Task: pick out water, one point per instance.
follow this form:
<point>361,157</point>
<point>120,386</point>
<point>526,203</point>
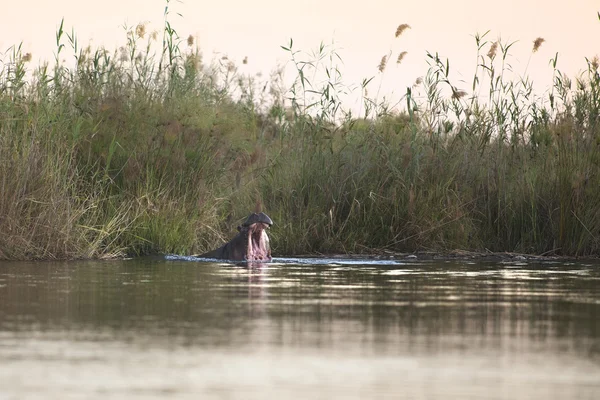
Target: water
<point>299,329</point>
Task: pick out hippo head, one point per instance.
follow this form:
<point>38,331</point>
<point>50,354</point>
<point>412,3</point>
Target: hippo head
<point>257,245</point>
<point>251,244</point>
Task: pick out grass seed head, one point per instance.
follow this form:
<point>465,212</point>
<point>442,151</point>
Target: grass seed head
<point>190,41</point>
<point>537,43</point>
<point>400,57</point>
<point>382,64</point>
<point>401,28</point>
<point>492,53</point>
<point>140,30</point>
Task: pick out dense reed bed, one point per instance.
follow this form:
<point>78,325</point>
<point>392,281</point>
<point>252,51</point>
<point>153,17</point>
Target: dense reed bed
<point>149,149</point>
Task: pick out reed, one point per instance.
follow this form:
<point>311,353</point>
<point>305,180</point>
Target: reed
<point>149,149</point>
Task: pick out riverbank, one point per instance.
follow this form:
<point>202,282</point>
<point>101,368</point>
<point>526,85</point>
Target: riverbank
<point>459,255</point>
<point>143,151</point>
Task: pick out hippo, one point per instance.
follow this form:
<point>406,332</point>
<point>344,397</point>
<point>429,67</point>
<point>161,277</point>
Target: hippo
<point>250,244</point>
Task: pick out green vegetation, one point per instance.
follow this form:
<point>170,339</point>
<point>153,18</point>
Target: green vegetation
<point>142,151</point>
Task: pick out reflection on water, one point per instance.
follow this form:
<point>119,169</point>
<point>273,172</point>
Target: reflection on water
<point>295,328</point>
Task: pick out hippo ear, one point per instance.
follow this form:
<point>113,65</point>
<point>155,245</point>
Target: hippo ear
<point>239,228</point>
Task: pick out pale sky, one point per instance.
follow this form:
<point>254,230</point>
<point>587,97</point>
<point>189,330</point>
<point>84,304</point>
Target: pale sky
<point>363,31</point>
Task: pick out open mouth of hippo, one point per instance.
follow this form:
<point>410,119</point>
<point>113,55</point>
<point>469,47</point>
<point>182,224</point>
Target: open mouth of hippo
<point>258,247</point>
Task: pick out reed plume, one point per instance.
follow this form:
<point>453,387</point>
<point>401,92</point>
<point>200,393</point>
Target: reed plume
<point>492,53</point>
<point>537,43</point>
<point>140,30</point>
<point>382,63</point>
<point>401,28</point>
<point>400,57</point>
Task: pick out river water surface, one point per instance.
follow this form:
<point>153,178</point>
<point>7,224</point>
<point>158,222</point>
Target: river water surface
<point>154,328</point>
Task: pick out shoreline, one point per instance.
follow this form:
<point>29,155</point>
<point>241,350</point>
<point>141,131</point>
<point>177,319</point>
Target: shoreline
<point>452,255</point>
<point>461,255</point>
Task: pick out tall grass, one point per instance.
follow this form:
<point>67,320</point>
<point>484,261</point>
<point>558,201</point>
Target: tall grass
<point>149,149</point>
